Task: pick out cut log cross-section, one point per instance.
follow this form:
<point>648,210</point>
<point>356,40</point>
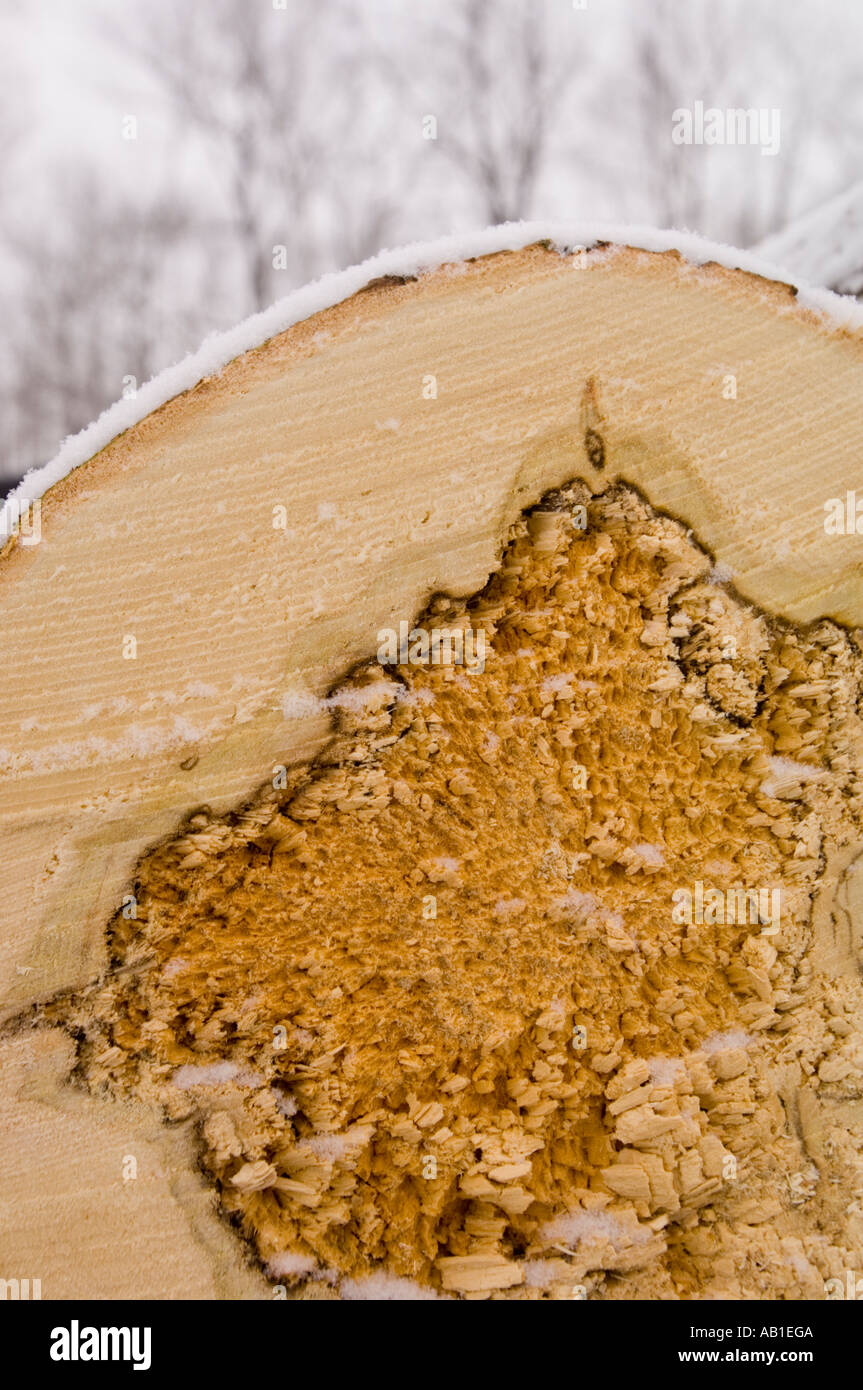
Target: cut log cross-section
<point>174,645</point>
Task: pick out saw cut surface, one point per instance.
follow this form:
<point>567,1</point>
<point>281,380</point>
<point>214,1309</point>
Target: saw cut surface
<point>247,539</point>
<point>527,984</point>
<point>391,1015</point>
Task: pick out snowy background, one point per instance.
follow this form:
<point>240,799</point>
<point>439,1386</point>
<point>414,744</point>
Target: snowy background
<point>170,167</point>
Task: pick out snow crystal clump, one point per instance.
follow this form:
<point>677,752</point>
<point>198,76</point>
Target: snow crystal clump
<point>573,905</point>
<point>213,1074</point>
<point>298,704</point>
<point>664,1071</point>
<point>721,574</point>
<point>577,1226</point>
<point>538,1274</point>
<point>723,1042</point>
<point>290,1265</point>
<point>508,907</point>
<point>786,769</point>
<point>650,854</point>
<point>385,1288</point>
<point>556,685</point>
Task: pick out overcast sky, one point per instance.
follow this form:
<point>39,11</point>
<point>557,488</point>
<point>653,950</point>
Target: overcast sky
<point>73,88</point>
<point>82,316</point>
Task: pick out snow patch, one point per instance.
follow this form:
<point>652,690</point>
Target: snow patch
<point>801,1266</point>
<point>199,690</point>
<point>577,1226</point>
<point>137,742</point>
<point>334,1146</point>
<point>538,1274</point>
<point>214,1074</point>
<point>650,854</point>
<point>505,908</point>
<point>784,770</point>
<point>385,1288</point>
<point>299,705</point>
<point>574,902</point>
<point>721,573</point>
<point>556,685</point>
<point>664,1071</point>
<point>723,1042</point>
<point>574,909</point>
<point>291,1265</point>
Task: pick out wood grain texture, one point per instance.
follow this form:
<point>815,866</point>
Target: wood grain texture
<point>168,536</point>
